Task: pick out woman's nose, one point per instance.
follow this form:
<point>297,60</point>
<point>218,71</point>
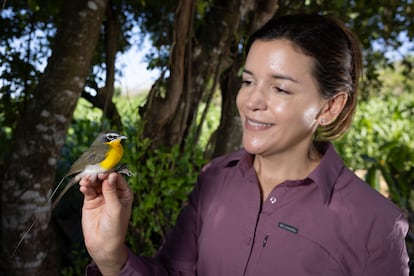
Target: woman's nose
<point>256,100</point>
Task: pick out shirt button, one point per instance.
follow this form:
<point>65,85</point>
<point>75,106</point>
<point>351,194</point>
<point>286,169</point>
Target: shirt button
<point>273,200</point>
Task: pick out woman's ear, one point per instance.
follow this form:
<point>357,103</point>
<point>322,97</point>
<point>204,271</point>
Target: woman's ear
<point>332,108</point>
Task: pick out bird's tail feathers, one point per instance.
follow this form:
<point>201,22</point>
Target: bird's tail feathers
<point>56,189</point>
<point>23,237</point>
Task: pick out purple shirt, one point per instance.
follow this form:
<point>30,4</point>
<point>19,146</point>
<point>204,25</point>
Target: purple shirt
<point>331,223</point>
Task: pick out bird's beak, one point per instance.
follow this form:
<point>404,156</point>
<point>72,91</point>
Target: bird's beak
<point>122,137</point>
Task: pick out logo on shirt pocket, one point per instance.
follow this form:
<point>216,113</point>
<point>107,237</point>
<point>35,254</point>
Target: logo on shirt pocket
<point>287,227</point>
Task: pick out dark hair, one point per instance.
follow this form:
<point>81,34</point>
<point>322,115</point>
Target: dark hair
<point>337,54</point>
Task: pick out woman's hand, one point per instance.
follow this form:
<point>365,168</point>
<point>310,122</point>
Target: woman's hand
<point>105,216</point>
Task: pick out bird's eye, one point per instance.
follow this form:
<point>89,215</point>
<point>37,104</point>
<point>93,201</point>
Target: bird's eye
<point>111,136</point>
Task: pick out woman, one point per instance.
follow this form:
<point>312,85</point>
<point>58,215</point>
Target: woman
<point>284,204</point>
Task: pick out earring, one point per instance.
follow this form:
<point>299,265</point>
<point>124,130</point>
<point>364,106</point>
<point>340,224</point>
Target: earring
<point>322,122</point>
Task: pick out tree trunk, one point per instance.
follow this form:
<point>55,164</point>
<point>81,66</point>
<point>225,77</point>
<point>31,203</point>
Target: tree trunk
<point>111,39</point>
<point>211,55</point>
<point>104,95</point>
<point>255,14</point>
<point>227,137</point>
<point>37,141</point>
<point>212,50</point>
<point>168,119</point>
<point>160,109</point>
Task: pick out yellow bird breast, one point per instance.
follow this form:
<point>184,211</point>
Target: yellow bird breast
<point>114,154</point>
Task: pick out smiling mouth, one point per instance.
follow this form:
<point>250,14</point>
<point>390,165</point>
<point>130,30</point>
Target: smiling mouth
<point>257,124</point>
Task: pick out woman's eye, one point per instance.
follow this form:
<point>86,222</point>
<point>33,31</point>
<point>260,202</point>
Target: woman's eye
<point>280,90</point>
<point>245,82</point>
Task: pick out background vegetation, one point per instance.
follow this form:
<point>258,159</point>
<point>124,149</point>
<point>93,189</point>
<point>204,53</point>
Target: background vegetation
<point>57,64</point>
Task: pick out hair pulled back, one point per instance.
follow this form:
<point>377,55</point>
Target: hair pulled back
<point>337,55</point>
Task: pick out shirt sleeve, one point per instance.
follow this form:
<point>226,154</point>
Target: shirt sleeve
<point>135,266</point>
<point>390,256</point>
<point>178,255</point>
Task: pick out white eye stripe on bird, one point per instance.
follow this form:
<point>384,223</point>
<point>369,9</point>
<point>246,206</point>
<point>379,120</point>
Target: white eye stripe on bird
<point>112,136</point>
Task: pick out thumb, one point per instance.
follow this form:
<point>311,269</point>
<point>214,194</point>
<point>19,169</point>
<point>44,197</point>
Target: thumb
<point>110,189</point>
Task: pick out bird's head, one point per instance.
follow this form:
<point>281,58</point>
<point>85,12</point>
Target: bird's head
<point>110,136</point>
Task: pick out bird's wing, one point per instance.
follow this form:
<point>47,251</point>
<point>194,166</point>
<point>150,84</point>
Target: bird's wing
<point>94,155</point>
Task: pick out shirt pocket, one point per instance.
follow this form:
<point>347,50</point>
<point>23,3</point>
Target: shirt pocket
<point>290,253</point>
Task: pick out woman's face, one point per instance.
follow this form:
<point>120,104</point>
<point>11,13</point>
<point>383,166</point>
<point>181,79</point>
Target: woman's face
<point>278,101</point>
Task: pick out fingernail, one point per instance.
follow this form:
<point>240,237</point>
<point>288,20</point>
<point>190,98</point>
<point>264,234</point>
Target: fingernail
<point>112,178</point>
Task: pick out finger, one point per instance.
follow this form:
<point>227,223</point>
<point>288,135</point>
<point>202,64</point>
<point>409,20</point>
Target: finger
<point>110,189</point>
<point>87,189</point>
<point>88,192</point>
<point>124,191</point>
<point>103,176</point>
<point>119,181</point>
<point>85,181</point>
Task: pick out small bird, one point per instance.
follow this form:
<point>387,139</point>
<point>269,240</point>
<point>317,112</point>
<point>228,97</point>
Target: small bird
<point>101,157</point>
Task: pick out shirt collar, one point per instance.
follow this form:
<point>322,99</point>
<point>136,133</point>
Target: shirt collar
<point>325,175</point>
